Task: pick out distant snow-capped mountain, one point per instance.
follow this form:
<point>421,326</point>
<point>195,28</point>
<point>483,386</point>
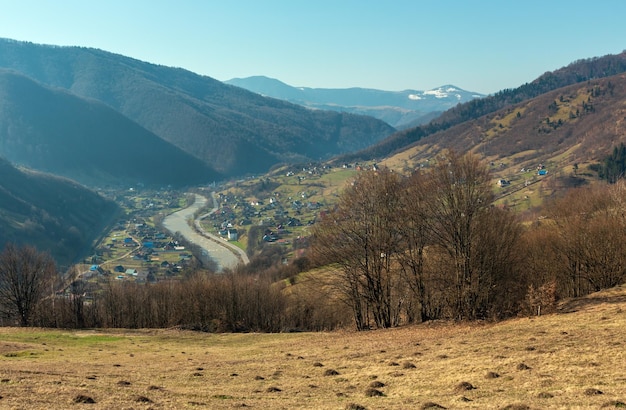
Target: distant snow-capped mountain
<point>401,109</point>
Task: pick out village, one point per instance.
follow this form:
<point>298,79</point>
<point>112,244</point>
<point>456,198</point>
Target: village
<point>251,213</point>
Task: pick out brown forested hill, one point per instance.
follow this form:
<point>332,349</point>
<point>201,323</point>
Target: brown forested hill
<point>576,73</point>
<point>576,124</point>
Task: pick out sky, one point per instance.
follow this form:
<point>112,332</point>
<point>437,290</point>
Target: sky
<point>478,45</point>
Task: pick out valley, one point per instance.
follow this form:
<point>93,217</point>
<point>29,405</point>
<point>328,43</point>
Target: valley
<point>196,181</point>
<point>276,210</point>
<point>312,205</point>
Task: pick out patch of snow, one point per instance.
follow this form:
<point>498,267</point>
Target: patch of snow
<point>451,90</point>
<point>414,97</point>
<point>438,93</point>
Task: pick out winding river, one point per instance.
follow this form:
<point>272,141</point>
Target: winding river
<point>217,249</point>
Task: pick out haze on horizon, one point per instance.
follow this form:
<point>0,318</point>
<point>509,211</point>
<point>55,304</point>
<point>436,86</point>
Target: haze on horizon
<point>478,46</point>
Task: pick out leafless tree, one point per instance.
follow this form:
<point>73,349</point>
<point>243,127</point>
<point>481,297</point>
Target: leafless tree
<point>461,221</point>
<point>26,276</point>
<point>362,237</point>
<point>460,195</point>
<point>414,228</point>
<point>591,239</point>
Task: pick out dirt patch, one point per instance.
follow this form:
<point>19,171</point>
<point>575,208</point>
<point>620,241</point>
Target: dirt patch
<point>463,386</point>
<point>373,393</point>
<point>83,399</point>
<point>377,385</point>
<point>7,348</point>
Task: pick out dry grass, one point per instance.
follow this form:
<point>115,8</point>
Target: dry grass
<point>573,359</point>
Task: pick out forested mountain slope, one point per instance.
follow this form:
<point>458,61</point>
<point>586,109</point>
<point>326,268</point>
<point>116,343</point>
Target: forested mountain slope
<point>233,130</point>
<point>569,131</point>
<point>55,131</point>
<point>50,213</point>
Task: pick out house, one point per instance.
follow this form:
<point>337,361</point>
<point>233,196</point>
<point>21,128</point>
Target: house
<point>542,172</point>
<point>269,236</point>
<point>232,235</point>
<point>503,182</point>
<point>131,272</point>
<point>294,222</point>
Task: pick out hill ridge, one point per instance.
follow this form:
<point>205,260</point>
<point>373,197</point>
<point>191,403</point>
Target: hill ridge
<point>233,130</point>
<point>52,213</point>
<point>401,109</point>
<point>53,130</point>
<point>576,72</point>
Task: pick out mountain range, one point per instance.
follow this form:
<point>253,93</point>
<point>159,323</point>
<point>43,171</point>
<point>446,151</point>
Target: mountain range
<point>233,131</point>
<point>401,109</point>
<point>105,119</point>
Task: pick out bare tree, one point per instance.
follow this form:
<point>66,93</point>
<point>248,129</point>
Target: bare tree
<point>497,282</point>
<point>591,239</point>
<point>414,230</point>
<point>362,237</point>
<point>26,276</point>
<point>460,196</point>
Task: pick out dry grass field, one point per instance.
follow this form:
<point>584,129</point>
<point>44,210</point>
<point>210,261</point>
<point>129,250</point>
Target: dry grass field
<point>575,358</point>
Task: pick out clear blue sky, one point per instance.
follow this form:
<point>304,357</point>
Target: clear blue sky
<point>478,45</point>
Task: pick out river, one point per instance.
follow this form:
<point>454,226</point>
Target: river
<point>217,249</point>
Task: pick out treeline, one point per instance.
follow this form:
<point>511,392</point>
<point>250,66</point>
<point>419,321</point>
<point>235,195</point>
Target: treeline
<point>613,167</point>
<point>252,298</point>
<point>433,246</point>
<point>205,302</point>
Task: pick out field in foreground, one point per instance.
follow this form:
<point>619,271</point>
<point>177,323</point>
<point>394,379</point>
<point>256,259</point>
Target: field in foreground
<point>575,358</point>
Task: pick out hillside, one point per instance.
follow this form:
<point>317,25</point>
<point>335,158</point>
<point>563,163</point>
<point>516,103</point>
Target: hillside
<point>571,359</point>
<point>577,72</point>
<point>54,131</point>
<point>401,109</point>
<point>50,213</point>
<point>564,130</point>
<point>231,129</point>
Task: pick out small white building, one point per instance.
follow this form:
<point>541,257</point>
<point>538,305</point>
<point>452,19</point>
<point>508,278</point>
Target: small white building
<point>232,235</point>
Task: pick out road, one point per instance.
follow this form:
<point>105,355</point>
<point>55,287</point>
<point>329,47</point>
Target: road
<point>220,251</point>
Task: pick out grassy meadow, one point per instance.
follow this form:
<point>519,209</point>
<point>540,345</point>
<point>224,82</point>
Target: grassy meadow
<point>575,358</point>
